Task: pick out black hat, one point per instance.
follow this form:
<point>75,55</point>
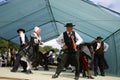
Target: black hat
<point>20,30</point>
<point>99,37</point>
<point>69,25</point>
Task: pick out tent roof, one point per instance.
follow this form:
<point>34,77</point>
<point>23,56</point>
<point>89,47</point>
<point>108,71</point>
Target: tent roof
<point>51,15</point>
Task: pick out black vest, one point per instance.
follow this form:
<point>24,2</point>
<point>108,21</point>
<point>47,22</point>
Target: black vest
<point>100,50</point>
<point>68,40</point>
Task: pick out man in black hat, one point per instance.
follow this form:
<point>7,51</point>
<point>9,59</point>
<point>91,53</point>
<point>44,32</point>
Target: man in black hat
<point>100,48</point>
<point>23,41</point>
<point>69,41</point>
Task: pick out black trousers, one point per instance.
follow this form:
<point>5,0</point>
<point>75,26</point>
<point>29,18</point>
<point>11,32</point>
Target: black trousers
<point>46,62</point>
<point>12,61</point>
<point>35,55</point>
<point>99,63</point>
<point>74,56</point>
<point>18,61</point>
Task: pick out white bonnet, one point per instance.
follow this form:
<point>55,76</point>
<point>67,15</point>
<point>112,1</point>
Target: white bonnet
<point>36,28</point>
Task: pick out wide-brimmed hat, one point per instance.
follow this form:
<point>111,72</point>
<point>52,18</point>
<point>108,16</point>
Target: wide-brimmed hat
<point>99,37</point>
<point>20,30</point>
<point>69,25</point>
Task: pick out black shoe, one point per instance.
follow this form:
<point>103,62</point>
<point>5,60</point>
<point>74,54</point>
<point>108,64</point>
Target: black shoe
<point>29,72</point>
<point>55,76</point>
<point>73,71</point>
<point>46,69</point>
<point>84,75</point>
<point>76,78</point>
<point>95,74</point>
<point>24,71</point>
<point>13,70</point>
<point>36,69</point>
<point>102,74</point>
<point>90,77</point>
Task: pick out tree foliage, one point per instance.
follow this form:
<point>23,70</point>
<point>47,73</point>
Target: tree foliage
<point>5,45</point>
<point>47,48</point>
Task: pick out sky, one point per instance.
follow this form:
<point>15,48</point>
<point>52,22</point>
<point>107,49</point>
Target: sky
<point>112,4</point>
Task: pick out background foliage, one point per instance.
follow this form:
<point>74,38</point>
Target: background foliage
<point>5,45</point>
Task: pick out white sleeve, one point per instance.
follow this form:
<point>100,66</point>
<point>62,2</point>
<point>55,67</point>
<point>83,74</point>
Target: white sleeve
<point>79,40</point>
<point>106,46</point>
<point>50,53</point>
<point>60,40</point>
<point>22,38</point>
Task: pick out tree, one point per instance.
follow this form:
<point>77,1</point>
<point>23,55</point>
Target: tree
<point>5,45</point>
<point>47,48</point>
<point>56,50</point>
<point>41,49</point>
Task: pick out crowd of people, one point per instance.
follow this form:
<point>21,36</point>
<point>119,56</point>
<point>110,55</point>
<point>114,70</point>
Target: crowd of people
<point>84,57</point>
<point>8,58</point>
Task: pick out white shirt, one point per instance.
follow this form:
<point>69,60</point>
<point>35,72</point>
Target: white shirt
<point>50,53</point>
<point>106,46</point>
<point>60,39</point>
<point>98,46</point>
<point>22,35</point>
